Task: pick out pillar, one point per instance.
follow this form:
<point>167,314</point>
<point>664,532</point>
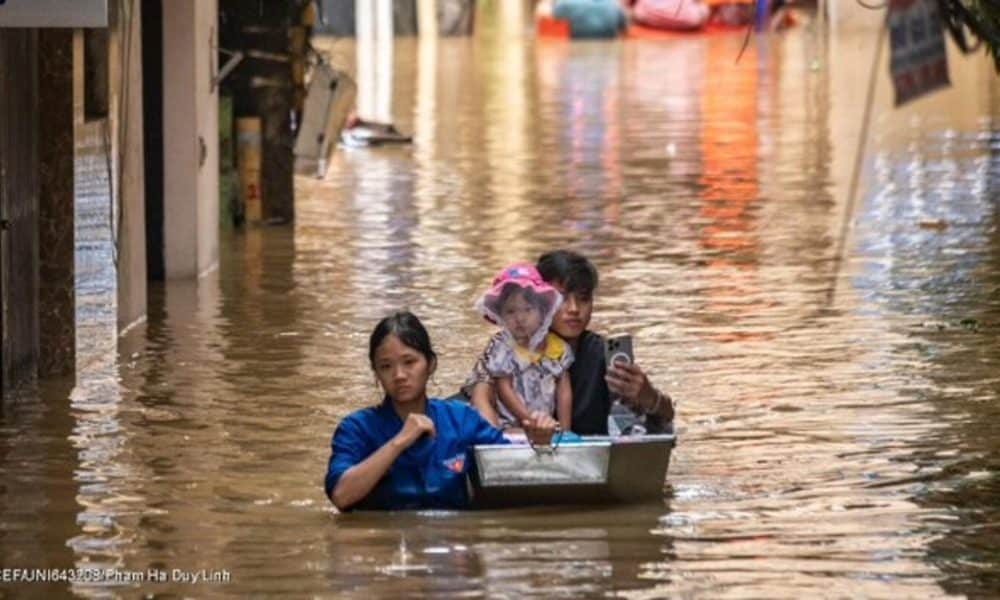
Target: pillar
<point>57,292</point>
<point>126,57</point>
<point>190,138</point>
<point>18,207</point>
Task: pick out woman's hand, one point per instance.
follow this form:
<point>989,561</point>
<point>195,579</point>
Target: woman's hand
<point>416,425</point>
<point>358,481</point>
<point>539,427</point>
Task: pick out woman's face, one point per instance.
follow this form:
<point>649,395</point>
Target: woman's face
<point>521,318</point>
<point>402,370</point>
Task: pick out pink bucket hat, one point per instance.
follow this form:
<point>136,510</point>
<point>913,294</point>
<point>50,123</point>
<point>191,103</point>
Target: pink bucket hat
<point>525,276</point>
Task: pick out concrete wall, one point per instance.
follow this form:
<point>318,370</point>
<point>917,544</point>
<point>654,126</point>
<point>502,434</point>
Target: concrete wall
<point>849,15</point>
<point>190,138</point>
<point>336,17</point>
<point>56,214</point>
<point>850,62</point>
<point>126,57</point>
<point>18,207</point>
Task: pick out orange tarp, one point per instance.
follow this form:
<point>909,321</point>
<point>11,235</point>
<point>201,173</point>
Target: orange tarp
<point>556,28</point>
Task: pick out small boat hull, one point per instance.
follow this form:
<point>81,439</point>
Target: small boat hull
<point>596,470</point>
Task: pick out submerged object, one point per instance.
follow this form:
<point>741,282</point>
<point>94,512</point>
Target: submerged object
<point>594,470</point>
<point>329,99</point>
<point>362,134</point>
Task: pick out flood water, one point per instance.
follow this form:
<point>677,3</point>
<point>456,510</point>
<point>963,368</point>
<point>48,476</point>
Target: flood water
<point>836,364</point>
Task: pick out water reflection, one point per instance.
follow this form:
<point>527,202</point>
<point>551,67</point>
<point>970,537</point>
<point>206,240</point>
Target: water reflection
<point>579,84</point>
<point>384,251</point>
<point>835,415</point>
<point>932,269</point>
<point>505,554</point>
<point>509,157</point>
<point>38,493</point>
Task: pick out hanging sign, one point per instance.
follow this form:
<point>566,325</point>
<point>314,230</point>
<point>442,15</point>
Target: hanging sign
<point>53,13</point>
<point>919,61</point>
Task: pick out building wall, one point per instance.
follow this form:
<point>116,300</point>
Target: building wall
<point>126,58</point>
<point>18,206</point>
<point>849,15</point>
<point>894,128</point>
<point>336,17</point>
<point>207,105</point>
<point>190,138</point>
<point>56,218</point>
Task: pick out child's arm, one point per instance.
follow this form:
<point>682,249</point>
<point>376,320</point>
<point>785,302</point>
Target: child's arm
<point>510,398</point>
<point>564,401</point>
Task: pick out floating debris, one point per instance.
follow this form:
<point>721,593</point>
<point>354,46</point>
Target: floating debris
<point>969,324</point>
<point>401,564</point>
<point>934,225</point>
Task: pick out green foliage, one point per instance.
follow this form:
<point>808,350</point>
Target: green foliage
<point>976,19</point>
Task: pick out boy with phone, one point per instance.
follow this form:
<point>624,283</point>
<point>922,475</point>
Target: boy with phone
<point>593,379</point>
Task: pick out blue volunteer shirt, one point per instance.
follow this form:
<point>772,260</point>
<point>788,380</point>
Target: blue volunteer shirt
<point>430,473</point>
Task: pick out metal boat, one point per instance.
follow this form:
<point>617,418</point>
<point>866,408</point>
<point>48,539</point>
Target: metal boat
<point>594,470</point>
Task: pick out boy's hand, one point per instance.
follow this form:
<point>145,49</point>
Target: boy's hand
<point>629,382</point>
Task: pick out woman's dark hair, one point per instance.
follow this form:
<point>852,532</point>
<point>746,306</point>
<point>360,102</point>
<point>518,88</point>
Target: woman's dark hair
<point>408,328</point>
<point>571,270</point>
<point>532,297</point>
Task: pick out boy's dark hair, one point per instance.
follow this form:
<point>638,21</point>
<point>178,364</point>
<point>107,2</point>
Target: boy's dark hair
<point>571,270</point>
<point>408,328</point>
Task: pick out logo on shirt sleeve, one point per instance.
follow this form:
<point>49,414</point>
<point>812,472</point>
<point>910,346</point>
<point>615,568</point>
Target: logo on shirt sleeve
<point>455,464</point>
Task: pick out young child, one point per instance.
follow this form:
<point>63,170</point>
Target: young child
<point>529,365</point>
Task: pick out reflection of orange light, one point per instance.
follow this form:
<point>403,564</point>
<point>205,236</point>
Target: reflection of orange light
<point>729,185</point>
<point>729,131</point>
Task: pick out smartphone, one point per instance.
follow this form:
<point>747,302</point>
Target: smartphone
<point>621,419</point>
<point>618,349</point>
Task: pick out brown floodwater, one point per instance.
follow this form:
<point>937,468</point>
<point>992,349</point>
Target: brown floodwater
<point>836,364</point>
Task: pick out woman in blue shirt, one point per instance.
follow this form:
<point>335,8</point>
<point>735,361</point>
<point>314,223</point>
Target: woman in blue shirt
<point>410,452</point>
